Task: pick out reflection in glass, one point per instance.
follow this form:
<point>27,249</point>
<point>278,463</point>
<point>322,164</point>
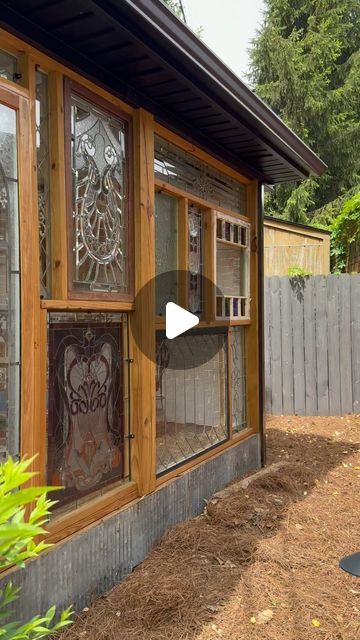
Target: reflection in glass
<point>100,207</point>
<point>166,249</point>
<point>8,66</point>
<point>86,390</point>
<point>9,286</point>
<point>191,403</point>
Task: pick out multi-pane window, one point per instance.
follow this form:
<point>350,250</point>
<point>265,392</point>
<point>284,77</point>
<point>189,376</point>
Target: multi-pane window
<point>87,391</point>
<point>42,138</point>
<point>9,285</point>
<point>100,193</point>
<point>232,268</point>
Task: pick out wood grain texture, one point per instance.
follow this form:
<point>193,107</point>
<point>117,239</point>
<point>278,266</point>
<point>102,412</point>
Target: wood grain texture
<point>252,331</point>
<point>142,323</point>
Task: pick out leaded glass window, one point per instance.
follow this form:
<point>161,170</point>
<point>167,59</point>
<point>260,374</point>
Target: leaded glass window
<point>238,378</point>
<point>183,170</point>
<point>8,66</point>
<point>191,403</point>
<point>232,268</point>
<point>195,225</point>
<point>87,419</point>
<point>100,199</point>
<point>43,180</point>
<point>166,249</point>
<point>9,285</point>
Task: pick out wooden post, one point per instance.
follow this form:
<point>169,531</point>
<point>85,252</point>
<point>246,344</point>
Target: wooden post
<point>252,334</point>
<point>142,321</point>
<point>59,253</point>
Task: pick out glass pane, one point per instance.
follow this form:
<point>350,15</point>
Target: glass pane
<point>166,249</point>
<point>100,199</point>
<point>8,66</point>
<point>191,404</point>
<point>9,286</point>
<point>87,395</point>
<point>231,270</point>
<point>182,169</point>
<point>43,179</point>
<point>195,258</point>
<point>238,378</point>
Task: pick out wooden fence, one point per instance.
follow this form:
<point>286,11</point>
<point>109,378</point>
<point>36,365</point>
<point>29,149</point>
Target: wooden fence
<point>312,345</point>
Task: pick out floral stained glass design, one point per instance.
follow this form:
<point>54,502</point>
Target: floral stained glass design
<point>43,179</point>
<point>100,199</point>
<point>9,286</point>
<point>85,404</point>
<point>166,250</point>
<point>238,378</point>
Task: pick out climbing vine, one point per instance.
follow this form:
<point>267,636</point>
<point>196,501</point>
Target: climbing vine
<point>345,231</point>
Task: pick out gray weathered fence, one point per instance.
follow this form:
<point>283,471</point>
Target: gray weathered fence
<point>312,345</point>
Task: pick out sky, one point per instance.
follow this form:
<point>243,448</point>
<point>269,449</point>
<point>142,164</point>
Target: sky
<point>228,27</point>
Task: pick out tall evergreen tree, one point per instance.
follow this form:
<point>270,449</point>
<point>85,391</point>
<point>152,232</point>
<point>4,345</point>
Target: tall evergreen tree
<point>305,64</point>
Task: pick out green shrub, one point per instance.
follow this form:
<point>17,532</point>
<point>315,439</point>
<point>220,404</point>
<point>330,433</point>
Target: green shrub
<point>18,530</point>
<point>298,272</point>
<point>345,231</point>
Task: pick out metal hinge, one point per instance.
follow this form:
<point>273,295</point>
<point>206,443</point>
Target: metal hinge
<point>130,436</point>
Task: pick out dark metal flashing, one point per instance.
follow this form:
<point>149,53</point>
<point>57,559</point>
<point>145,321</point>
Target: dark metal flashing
<point>299,225</point>
<point>141,52</point>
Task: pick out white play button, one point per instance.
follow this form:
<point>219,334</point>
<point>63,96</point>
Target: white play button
<point>178,320</point>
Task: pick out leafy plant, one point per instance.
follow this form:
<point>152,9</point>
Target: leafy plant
<point>298,272</point>
<point>345,231</point>
<point>20,525</point>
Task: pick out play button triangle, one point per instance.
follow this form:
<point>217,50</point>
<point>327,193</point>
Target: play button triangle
<point>178,320</point>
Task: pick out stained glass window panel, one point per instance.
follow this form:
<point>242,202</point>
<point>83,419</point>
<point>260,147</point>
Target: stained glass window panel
<point>231,270</point>
<point>9,286</point>
<point>184,170</point>
<point>43,180</point>
<point>195,224</point>
<point>87,382</point>
<point>238,378</point>
<point>191,403</point>
<point>100,199</point>
<point>166,249</point>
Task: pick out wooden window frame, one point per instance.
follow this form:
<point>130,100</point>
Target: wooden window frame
<point>73,88</point>
<point>142,326</point>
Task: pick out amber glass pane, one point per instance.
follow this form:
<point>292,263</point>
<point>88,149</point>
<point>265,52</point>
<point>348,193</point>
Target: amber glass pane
<point>100,205</point>
<point>86,389</point>
<point>9,286</point>
<point>191,403</point>
<point>43,180</point>
<point>231,270</point>
<point>166,249</point>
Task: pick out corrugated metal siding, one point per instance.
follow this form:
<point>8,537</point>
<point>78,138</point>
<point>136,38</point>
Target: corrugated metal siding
<point>90,563</point>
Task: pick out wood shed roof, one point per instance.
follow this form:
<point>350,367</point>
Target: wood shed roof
<point>141,51</point>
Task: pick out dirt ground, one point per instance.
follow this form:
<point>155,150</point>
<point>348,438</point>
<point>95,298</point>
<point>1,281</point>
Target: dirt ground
<point>261,564</point>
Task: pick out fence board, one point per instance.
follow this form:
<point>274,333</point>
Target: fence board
<point>345,344</point>
<point>312,340</point>
<point>275,351</point>
<point>333,346</point>
<point>355,340</point>
<point>298,345</point>
<point>310,348</point>
<point>287,348</point>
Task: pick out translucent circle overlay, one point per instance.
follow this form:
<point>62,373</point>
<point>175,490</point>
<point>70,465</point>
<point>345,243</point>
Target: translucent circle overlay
<point>194,348</point>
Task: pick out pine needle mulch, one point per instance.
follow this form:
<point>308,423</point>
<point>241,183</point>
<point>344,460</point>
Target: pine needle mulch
<point>261,564</point>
